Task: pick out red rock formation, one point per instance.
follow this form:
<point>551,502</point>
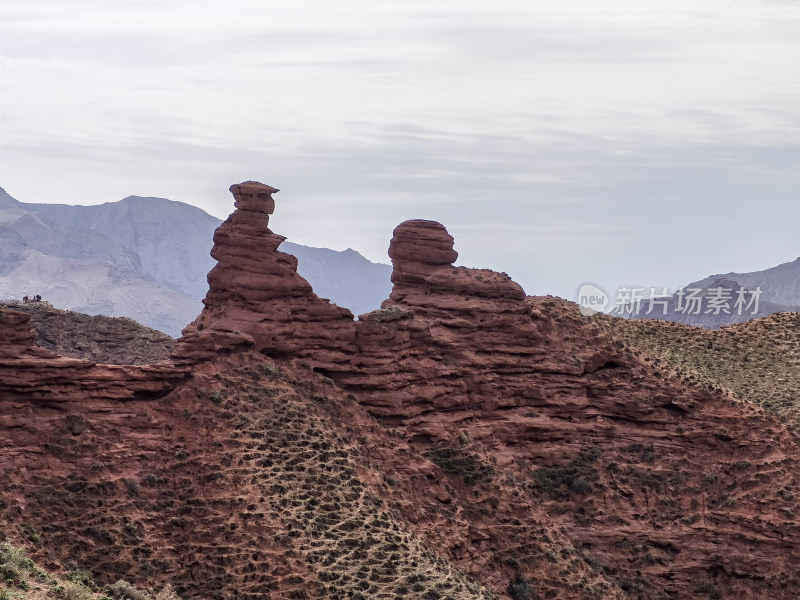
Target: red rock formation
<point>256,299</point>
<point>460,359</point>
<point>418,248</point>
<point>30,372</point>
<point>541,427</point>
<point>448,338</point>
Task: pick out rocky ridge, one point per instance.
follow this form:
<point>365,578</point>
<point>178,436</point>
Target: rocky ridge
<point>461,354</point>
<point>29,372</point>
<point>98,338</point>
<point>509,436</point>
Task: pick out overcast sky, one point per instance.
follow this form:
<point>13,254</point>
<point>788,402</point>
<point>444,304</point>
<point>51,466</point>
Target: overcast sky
<point>649,142</point>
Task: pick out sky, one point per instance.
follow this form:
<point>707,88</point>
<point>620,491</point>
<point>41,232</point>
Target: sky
<point>631,142</point>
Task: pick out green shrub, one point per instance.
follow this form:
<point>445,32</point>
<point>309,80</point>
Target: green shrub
<point>32,534</point>
<point>13,557</point>
<point>82,577</point>
<point>13,564</point>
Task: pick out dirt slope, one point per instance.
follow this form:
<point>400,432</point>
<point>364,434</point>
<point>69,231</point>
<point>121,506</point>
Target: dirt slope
<point>757,361</point>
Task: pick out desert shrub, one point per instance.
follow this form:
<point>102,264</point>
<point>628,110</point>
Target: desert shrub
<point>454,461</point>
<point>32,534</point>
<point>708,589</point>
<point>82,577</point>
<point>580,486</point>
<point>575,477</point>
<point>520,588</point>
<point>122,590</point>
<point>13,563</point>
<point>559,482</point>
<point>14,557</point>
<point>167,593</point>
<point>272,371</point>
<point>76,591</point>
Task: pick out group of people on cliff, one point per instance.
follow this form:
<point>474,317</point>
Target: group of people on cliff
<point>36,298</point>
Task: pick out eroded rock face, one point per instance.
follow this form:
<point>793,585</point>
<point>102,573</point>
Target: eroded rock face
<point>531,443</point>
<point>97,338</point>
<point>624,458</point>
<point>256,300</point>
<point>448,338</point>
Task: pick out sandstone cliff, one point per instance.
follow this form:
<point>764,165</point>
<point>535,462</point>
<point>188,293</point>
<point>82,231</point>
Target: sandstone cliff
<point>464,440</point>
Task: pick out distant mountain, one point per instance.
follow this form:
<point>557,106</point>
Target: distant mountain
<point>6,201</point>
<point>717,301</point>
<point>171,239</point>
<point>780,285</point>
<point>344,277</point>
<point>147,259</point>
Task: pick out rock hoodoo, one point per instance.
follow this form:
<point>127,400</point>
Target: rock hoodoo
<point>257,300</point>
<point>423,275</point>
<point>418,248</point>
<point>447,336</point>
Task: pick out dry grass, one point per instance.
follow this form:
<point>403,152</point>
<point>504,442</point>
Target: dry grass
<point>22,579</point>
<point>757,361</point>
<point>307,478</point>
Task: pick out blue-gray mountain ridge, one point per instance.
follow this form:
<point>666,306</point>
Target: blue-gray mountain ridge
<point>147,259</point>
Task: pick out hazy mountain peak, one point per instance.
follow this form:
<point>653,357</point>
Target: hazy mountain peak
<point>160,249</point>
<point>6,201</point>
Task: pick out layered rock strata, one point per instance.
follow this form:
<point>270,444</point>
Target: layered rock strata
<point>460,339</point>
<point>646,473</point>
<point>523,423</point>
<point>256,300</point>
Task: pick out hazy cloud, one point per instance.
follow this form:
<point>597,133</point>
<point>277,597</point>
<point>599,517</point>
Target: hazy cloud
<point>642,141</point>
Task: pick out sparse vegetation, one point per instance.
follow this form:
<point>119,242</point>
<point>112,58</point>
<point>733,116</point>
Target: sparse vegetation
<point>520,588</point>
<point>457,461</point>
<point>277,458</point>
<point>574,477</point>
<point>21,578</point>
<point>756,361</point>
